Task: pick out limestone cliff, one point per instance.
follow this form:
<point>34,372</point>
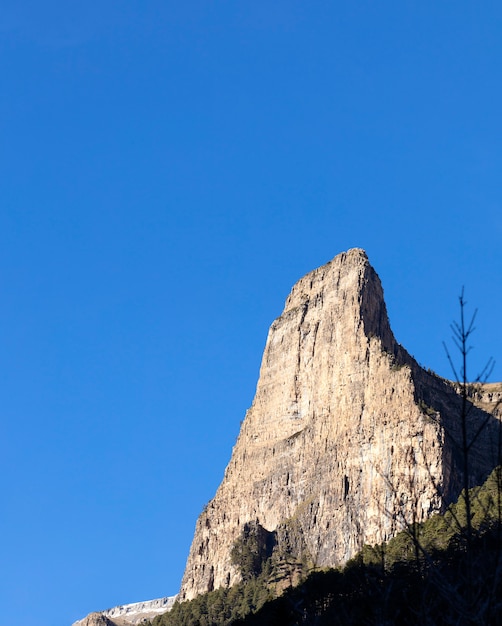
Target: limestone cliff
<point>346,437</point>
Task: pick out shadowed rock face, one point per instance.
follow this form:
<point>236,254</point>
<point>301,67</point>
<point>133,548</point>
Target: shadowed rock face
<point>344,439</point>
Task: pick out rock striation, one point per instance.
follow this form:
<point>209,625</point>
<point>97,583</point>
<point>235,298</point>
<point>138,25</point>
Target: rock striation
<point>347,438</point>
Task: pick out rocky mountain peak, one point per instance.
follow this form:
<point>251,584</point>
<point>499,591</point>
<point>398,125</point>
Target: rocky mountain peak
<point>344,442</point>
<point>350,288</point>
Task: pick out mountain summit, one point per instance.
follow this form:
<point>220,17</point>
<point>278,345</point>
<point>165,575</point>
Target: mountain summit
<point>347,438</point>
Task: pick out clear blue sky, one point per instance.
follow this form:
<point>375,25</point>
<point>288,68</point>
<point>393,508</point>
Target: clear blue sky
<point>168,171</point>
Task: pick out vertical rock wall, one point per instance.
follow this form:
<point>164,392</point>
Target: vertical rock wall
<point>339,441</point>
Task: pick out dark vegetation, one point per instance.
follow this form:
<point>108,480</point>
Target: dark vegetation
<point>387,585</point>
<point>221,607</point>
<point>400,594</point>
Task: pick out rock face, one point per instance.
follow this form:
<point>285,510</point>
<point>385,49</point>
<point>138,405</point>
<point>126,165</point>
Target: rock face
<point>347,437</point>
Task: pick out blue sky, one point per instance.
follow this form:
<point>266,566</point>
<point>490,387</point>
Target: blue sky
<point>168,171</point>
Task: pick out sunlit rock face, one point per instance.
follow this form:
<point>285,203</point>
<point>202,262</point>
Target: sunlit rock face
<point>347,437</point>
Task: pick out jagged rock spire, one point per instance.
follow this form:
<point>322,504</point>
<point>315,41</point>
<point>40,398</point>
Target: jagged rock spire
<point>336,448</point>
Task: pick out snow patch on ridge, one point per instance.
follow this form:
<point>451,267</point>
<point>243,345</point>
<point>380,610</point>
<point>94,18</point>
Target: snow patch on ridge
<point>137,611</point>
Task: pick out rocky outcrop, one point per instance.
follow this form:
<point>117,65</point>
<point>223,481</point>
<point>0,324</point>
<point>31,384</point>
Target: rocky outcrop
<point>347,438</point>
<point>95,619</point>
<point>128,614</point>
